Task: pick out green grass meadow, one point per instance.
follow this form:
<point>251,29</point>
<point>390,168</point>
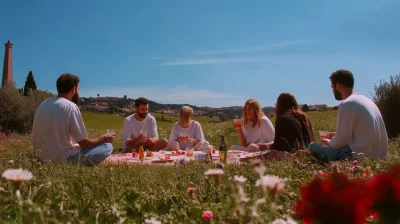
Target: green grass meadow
<point>62,193</point>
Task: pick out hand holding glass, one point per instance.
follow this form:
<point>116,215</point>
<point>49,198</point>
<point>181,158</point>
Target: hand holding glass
<point>237,123</point>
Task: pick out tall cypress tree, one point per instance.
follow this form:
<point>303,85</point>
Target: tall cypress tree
<point>30,84</point>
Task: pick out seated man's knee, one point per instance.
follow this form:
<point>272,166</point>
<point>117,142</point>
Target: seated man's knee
<point>108,148</point>
<point>163,142</point>
<point>312,146</point>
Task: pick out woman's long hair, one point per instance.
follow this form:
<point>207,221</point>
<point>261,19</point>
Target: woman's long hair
<point>257,112</point>
<point>287,103</point>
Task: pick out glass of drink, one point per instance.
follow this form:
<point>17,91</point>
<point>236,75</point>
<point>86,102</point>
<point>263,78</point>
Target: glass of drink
<point>110,131</point>
<point>183,137</point>
<point>144,132</point>
<point>237,123</point>
<point>190,151</point>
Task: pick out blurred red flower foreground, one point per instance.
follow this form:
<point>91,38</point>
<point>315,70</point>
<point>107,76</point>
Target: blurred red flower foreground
<point>336,198</point>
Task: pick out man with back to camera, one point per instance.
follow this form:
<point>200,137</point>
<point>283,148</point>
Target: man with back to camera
<point>360,127</point>
<point>58,132</point>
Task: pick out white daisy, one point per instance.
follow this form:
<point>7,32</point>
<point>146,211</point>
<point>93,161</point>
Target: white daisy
<point>214,172</point>
<point>17,175</point>
<point>240,179</point>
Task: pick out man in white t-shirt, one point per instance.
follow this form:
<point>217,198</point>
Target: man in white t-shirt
<point>360,127</point>
<point>141,127</point>
<point>58,132</point>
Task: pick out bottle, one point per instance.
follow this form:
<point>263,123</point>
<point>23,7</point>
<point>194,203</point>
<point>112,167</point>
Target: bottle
<point>141,152</point>
<point>223,151</point>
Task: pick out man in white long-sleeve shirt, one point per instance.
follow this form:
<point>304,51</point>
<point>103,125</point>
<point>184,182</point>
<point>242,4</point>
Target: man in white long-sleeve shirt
<point>360,127</point>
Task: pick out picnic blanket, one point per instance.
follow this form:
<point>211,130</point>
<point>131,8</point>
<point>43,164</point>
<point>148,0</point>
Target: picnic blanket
<point>234,156</point>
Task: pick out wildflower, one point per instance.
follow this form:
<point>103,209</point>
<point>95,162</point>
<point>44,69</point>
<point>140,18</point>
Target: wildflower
<point>256,162</point>
<point>351,170</point>
<point>11,162</point>
<point>384,191</point>
<point>207,215</point>
<point>216,173</point>
<point>348,197</point>
<point>240,179</point>
<point>360,154</point>
<point>1,190</point>
<point>17,176</point>
<point>353,153</point>
<point>271,183</point>
<point>190,190</point>
<point>152,220</point>
<point>355,162</point>
<point>322,173</point>
<point>287,221</point>
<point>255,206</point>
<point>191,183</point>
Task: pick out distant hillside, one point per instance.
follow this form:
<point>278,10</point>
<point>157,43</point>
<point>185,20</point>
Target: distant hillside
<point>127,106</point>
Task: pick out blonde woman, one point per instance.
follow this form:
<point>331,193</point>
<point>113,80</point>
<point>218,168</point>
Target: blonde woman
<point>256,131</point>
<point>186,132</point>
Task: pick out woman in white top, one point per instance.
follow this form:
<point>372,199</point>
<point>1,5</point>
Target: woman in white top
<point>256,130</point>
<point>186,132</point>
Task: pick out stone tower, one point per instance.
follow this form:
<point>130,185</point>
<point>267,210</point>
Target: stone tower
<point>7,67</point>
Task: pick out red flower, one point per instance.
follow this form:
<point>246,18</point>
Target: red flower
<point>355,162</point>
<point>191,183</point>
<point>323,199</point>
<point>322,173</point>
<point>190,190</point>
<point>207,215</point>
<point>385,193</point>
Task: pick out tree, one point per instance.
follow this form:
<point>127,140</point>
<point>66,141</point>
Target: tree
<point>387,98</point>
<point>30,84</point>
<point>305,108</point>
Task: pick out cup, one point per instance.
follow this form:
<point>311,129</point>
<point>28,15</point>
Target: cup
<point>110,131</point>
<point>190,151</point>
<point>212,149</point>
<point>237,123</point>
<point>183,137</point>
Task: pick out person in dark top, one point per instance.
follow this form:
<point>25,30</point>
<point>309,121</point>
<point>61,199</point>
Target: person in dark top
<point>293,130</point>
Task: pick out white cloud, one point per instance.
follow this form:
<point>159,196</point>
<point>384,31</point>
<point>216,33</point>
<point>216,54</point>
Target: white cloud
<point>181,95</point>
<point>207,61</point>
<point>258,48</point>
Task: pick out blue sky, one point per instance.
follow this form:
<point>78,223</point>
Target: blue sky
<point>214,53</point>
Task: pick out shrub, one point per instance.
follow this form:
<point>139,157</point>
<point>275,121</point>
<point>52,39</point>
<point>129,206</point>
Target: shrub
<point>387,98</point>
<point>17,111</point>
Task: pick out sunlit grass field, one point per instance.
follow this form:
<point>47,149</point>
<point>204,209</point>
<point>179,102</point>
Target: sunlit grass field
<point>61,193</point>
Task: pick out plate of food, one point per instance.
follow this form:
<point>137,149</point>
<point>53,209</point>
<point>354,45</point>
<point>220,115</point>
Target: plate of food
<point>164,159</point>
<point>178,153</point>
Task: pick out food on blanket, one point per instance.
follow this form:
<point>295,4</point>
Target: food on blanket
<point>178,152</point>
<point>164,158</point>
<point>149,154</point>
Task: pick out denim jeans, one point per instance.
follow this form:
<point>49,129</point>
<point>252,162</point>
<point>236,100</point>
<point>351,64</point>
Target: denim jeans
<point>326,153</point>
<point>93,156</point>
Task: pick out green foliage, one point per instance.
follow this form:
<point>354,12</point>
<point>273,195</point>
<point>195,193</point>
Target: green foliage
<point>387,98</point>
<point>30,84</point>
<point>305,108</point>
<point>17,111</point>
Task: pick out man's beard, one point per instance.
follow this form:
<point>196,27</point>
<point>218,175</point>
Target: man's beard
<point>338,96</point>
<point>75,98</point>
<point>144,115</point>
